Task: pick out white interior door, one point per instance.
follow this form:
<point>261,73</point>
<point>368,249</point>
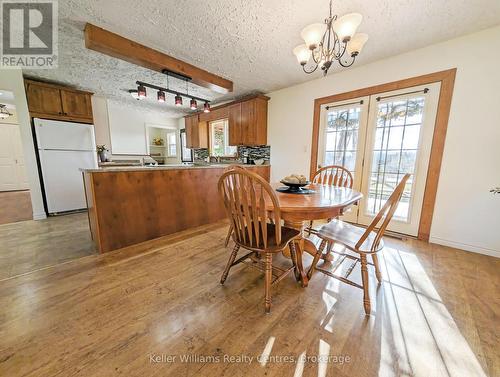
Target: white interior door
<point>342,139</point>
<point>399,138</point>
<point>12,169</point>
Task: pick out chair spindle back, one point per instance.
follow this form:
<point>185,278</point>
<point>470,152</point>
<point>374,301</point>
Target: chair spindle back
<point>244,195</point>
<point>333,175</point>
<point>387,210</point>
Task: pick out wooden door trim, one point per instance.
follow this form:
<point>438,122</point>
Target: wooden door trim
<point>447,80</point>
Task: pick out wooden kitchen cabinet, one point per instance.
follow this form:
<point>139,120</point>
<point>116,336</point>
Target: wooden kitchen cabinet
<point>248,122</point>
<point>234,124</point>
<point>44,99</point>
<point>196,132</point>
<point>76,104</point>
<point>52,101</point>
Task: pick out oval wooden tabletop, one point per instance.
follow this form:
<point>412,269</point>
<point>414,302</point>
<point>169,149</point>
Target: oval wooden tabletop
<point>325,202</point>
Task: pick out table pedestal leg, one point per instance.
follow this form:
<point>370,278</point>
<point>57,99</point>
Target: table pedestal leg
<point>301,244</point>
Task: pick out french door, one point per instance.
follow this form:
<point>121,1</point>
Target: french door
<point>342,140</point>
<point>379,139</point>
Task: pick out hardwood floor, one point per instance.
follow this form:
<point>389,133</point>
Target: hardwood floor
<point>31,245</point>
<point>15,206</point>
<point>124,312</point>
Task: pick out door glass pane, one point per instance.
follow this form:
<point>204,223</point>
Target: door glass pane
<point>342,132</point>
<point>394,152</point>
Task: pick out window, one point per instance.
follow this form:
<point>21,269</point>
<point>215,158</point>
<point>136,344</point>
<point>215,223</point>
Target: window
<point>171,145</point>
<point>219,139</point>
<point>186,153</point>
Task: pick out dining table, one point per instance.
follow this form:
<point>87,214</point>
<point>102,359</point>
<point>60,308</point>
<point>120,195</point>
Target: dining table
<point>320,203</point>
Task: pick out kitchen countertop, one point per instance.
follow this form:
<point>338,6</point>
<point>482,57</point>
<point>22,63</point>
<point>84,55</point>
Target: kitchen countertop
<point>105,169</point>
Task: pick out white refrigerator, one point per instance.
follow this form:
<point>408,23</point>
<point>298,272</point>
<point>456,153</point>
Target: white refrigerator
<point>63,149</point>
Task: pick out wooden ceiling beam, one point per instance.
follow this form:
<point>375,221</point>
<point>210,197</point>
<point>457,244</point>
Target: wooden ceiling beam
<point>114,45</point>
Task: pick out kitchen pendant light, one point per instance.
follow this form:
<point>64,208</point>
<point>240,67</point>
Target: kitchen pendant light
<point>162,92</point>
<point>178,100</point>
<point>333,40</point>
<point>193,105</point>
<point>134,94</point>
<point>161,96</point>
<point>206,107</point>
<point>141,91</point>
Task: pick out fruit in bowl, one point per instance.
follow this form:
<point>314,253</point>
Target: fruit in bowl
<point>295,178</point>
<point>295,181</point>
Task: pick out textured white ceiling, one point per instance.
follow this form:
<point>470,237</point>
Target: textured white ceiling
<point>247,41</point>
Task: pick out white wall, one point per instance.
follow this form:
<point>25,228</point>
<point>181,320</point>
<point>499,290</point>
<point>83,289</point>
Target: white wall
<point>121,127</point>
<point>12,80</point>
<point>466,215</point>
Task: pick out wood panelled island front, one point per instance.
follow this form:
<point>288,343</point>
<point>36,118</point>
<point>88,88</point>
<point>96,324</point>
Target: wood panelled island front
<point>132,205</point>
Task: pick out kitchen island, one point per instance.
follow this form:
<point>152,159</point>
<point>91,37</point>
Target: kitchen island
<point>129,205</point>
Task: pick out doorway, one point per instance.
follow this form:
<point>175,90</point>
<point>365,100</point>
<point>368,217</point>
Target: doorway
<point>15,201</point>
<point>381,133</point>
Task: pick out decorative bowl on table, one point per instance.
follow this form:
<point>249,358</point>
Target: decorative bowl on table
<point>294,184</point>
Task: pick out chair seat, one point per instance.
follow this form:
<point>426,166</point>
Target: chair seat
<point>287,234</point>
<point>349,235</point>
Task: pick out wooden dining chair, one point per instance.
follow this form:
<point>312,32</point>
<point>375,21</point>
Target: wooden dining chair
<point>245,195</point>
<point>364,242</point>
<point>332,175</point>
<point>230,230</point>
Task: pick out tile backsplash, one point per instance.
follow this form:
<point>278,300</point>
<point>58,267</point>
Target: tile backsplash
<point>250,152</point>
<point>200,154</point>
<point>255,153</point>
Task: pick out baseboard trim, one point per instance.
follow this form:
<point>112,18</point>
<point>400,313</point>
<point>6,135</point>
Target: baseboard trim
<point>39,216</point>
<point>466,247</point>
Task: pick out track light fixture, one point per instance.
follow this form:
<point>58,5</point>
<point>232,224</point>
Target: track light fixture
<point>193,100</point>
<point>206,107</point>
<point>141,91</point>
<point>134,94</point>
<point>178,100</point>
<point>193,105</point>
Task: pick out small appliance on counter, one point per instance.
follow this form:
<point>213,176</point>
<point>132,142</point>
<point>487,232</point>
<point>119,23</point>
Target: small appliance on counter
<point>63,149</point>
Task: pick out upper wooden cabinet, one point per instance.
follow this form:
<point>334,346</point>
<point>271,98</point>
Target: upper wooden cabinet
<point>234,124</point>
<point>196,132</point>
<point>247,120</point>
<point>76,104</point>
<point>58,102</point>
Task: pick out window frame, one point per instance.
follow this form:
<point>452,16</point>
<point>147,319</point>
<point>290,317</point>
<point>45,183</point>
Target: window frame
<point>225,122</point>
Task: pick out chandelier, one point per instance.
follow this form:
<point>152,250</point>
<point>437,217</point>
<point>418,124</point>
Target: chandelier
<point>335,39</point>
<point>4,112</point>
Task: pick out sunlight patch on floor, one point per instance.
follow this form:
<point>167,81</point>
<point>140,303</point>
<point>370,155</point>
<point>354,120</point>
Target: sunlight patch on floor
<point>419,334</point>
<point>267,351</point>
<point>299,367</point>
<point>329,301</point>
<point>323,353</point>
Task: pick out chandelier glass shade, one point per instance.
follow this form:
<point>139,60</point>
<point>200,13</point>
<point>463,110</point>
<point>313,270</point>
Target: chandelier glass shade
<point>333,40</point>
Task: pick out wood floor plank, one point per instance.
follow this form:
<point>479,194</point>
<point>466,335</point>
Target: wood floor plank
<point>435,313</point>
